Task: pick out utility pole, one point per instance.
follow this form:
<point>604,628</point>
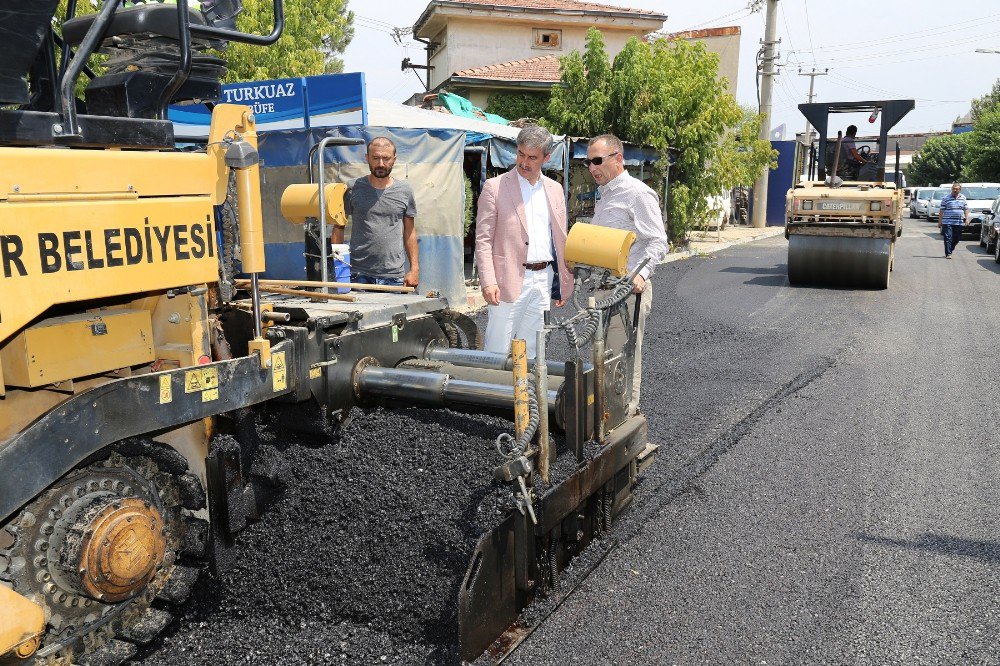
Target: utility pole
<point>767,74</point>
<point>812,80</point>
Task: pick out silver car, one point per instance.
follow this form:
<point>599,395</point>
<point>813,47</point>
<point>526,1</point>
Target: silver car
<point>934,204</point>
<point>921,198</point>
<point>991,230</point>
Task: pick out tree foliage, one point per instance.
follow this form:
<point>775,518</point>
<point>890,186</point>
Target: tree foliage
<point>982,156</point>
<point>988,101</point>
<point>316,33</point>
<point>514,106</point>
<point>667,94</point>
<point>579,105</point>
<point>940,160</point>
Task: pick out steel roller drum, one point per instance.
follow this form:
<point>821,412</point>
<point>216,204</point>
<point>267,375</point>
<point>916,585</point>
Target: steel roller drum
<point>839,261</point>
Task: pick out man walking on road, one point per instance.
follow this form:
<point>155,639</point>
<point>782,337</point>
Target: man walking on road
<point>382,226</point>
<point>953,217</point>
<point>627,203</point>
<point>520,245</point>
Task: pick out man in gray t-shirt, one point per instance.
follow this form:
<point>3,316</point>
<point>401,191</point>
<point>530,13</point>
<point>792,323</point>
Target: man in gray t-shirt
<point>382,213</point>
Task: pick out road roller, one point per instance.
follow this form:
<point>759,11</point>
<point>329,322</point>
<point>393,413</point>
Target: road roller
<point>136,335</point>
<point>842,228</point>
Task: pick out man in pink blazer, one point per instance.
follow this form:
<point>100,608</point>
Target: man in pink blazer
<point>520,245</point>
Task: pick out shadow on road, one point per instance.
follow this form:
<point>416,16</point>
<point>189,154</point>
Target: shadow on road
<point>775,276</point>
<point>986,551</point>
<point>777,269</point>
<point>990,264</point>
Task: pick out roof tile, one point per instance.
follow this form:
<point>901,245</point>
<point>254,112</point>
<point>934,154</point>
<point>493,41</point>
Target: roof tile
<point>541,68</point>
<point>557,4</point>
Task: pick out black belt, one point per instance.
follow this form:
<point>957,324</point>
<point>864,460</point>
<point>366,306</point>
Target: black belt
<point>537,266</point>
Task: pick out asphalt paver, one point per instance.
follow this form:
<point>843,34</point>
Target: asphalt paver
<point>824,494</point>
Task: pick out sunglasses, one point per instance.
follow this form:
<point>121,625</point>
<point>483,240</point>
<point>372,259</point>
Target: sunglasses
<point>598,161</point>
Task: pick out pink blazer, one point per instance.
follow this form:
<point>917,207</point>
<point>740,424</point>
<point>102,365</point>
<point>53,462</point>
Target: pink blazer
<point>502,235</point>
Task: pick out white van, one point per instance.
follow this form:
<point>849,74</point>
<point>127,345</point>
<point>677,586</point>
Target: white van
<point>980,197</point>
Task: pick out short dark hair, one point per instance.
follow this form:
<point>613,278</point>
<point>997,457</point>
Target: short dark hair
<point>380,139</point>
<point>611,141</point>
<point>852,130</point>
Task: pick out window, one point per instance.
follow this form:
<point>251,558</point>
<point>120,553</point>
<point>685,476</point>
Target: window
<point>547,39</point>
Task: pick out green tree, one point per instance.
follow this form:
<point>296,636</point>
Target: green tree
<point>316,33</point>
<point>939,160</point>
<point>666,95</point>
<point>988,101</point>
<point>579,105</point>
<point>982,156</point>
<point>514,106</point>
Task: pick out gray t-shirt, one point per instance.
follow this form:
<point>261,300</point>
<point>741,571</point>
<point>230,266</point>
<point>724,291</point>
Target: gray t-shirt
<point>377,227</point>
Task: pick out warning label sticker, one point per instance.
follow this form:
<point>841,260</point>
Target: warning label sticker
<point>279,372</point>
<point>166,391</point>
<point>202,379</point>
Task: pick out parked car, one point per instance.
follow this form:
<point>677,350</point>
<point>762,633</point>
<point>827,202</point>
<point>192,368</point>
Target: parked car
<point>990,229</point>
<point>980,198</point>
<point>918,204</point>
<point>934,203</point>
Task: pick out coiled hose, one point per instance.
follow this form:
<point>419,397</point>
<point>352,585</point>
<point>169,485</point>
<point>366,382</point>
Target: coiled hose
<point>515,447</point>
<point>618,294</point>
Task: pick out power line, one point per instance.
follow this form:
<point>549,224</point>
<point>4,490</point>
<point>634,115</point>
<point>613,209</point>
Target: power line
<point>809,32</point>
<point>888,39</point>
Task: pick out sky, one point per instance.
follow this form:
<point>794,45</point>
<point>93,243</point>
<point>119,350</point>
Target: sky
<point>874,49</point>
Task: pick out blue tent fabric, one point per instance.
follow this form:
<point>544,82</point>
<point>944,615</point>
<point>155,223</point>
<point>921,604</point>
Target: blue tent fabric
<point>503,154</point>
<point>634,155</point>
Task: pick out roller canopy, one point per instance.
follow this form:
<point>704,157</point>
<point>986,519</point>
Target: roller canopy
<point>890,111</point>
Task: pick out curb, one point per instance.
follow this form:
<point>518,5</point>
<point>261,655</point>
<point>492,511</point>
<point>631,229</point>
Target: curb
<point>715,247</point>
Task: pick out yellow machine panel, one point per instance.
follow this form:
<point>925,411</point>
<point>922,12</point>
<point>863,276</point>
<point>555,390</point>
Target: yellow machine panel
<point>599,246</point>
<point>99,249</point>
<point>21,624</point>
<point>64,348</point>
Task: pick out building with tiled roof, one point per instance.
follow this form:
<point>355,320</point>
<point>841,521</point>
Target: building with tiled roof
<point>524,36</point>
<point>538,73</point>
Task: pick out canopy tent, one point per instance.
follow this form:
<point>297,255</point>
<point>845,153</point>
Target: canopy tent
<point>383,113</point>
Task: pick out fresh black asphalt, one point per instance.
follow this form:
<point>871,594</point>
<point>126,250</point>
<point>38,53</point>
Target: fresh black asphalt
<point>825,493</point>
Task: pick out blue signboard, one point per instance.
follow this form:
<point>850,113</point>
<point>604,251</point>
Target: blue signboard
<point>327,100</point>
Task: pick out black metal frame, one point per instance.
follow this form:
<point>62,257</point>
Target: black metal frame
<point>86,424</point>
<point>891,111</point>
<point>66,126</point>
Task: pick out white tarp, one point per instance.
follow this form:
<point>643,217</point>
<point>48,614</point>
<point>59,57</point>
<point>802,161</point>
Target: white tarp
<point>383,113</point>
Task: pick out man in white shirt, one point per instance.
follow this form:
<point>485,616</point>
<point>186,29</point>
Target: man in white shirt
<point>520,245</point>
<point>627,203</point>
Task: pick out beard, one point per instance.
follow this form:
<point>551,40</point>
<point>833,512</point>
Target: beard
<point>381,172</point>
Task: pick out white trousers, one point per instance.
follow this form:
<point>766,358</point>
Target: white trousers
<point>524,317</point>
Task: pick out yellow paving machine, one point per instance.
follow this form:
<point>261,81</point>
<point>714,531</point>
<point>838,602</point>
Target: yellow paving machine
<point>129,342</point>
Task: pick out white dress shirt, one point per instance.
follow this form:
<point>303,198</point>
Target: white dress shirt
<point>536,214</point>
<point>628,203</point>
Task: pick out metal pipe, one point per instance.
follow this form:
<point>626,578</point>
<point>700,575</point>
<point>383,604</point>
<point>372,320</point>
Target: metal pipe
<point>542,396</point>
<point>474,358</point>
<point>598,372</point>
<point>437,389</point>
<point>484,375</point>
<point>255,299</point>
<point>323,243</point>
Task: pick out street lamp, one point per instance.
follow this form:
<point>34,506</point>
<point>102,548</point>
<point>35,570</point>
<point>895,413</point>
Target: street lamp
<point>987,51</point>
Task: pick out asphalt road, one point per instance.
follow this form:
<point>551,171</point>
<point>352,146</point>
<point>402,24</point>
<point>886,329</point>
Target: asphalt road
<point>826,491</point>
